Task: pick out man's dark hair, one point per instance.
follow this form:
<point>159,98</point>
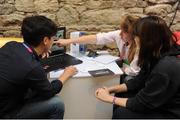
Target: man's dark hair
<point>35,28</point>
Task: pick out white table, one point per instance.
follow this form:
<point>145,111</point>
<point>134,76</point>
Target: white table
<point>80,101</point>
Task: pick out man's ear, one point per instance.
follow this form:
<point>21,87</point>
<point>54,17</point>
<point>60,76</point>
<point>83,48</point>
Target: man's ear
<point>45,40</point>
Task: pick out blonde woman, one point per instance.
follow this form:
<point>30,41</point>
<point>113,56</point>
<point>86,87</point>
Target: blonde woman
<point>123,38</point>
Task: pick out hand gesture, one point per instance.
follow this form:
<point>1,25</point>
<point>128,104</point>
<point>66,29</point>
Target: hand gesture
<point>63,42</point>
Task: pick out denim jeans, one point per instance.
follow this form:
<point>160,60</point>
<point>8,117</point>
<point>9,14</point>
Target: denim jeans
<point>52,108</point>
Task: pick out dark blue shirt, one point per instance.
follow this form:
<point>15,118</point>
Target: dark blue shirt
<point>20,73</point>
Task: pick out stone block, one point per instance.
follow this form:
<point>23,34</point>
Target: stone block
<point>25,5</point>
<point>160,9</point>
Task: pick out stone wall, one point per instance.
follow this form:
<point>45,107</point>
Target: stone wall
<point>91,16</point>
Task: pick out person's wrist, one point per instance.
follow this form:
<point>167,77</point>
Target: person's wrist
<point>110,90</point>
<point>109,99</point>
<point>74,41</point>
<point>114,100</point>
<point>63,78</point>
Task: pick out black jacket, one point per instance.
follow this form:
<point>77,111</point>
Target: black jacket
<point>21,71</point>
<point>160,89</point>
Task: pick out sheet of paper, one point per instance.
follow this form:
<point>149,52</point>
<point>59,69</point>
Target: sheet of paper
<point>115,68</point>
<point>84,68</point>
<point>104,59</point>
<point>56,74</point>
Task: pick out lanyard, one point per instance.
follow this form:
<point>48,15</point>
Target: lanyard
<point>30,51</point>
<point>28,48</point>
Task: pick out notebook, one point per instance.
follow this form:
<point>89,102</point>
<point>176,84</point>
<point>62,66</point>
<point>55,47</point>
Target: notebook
<point>58,58</point>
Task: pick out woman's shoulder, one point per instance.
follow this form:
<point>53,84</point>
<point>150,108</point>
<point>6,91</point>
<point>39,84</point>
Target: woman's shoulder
<point>168,63</point>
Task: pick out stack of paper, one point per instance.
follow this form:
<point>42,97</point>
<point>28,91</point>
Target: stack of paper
<point>104,61</point>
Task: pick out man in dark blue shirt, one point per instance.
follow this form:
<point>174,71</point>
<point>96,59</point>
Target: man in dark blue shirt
<point>25,91</point>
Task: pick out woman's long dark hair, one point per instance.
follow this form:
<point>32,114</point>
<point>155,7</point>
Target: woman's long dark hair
<point>155,40</point>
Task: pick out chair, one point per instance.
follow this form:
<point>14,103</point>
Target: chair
<point>177,34</point>
<point>4,40</point>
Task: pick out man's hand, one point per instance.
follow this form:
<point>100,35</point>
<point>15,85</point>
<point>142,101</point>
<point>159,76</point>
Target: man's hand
<point>46,55</point>
<point>68,73</point>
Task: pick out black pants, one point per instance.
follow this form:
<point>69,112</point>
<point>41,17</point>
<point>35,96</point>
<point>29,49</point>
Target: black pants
<point>123,113</point>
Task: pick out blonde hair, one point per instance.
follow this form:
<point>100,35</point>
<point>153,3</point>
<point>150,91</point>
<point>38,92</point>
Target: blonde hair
<point>127,23</point>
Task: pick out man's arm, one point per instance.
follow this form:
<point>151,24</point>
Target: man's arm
<point>40,85</point>
<point>68,73</point>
